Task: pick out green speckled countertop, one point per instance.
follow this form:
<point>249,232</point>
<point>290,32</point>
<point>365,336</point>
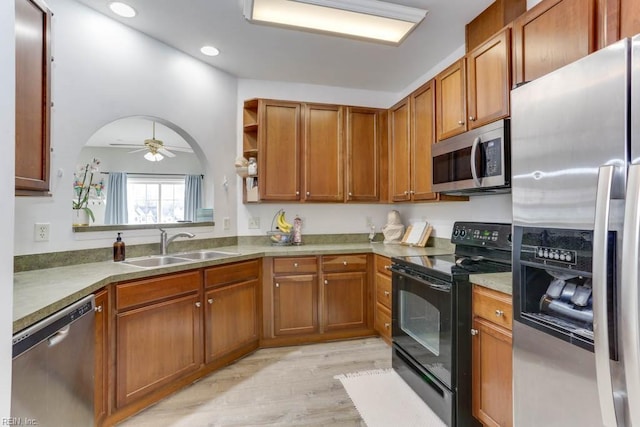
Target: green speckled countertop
<point>501,282</point>
<point>40,293</point>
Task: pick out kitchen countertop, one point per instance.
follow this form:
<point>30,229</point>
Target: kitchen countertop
<point>501,282</point>
<point>40,293</point>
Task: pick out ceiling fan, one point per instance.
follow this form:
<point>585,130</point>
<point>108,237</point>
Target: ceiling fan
<point>156,150</point>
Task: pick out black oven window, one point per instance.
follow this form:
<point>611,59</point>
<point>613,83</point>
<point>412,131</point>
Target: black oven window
<point>420,320</point>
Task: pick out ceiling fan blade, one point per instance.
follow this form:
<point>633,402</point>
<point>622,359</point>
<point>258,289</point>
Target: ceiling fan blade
<point>166,152</point>
<point>138,150</point>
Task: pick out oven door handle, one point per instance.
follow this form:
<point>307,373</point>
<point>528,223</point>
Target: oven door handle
<point>474,172</point>
<point>434,286</point>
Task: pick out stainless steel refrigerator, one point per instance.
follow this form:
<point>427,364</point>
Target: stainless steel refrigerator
<point>576,216</point>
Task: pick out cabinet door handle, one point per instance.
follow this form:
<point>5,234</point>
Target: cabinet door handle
<point>387,325</point>
<point>210,300</point>
<point>406,193</point>
<point>387,293</point>
<point>387,267</point>
<point>295,265</point>
<point>499,313</point>
<point>460,122</point>
<point>277,285</point>
<point>472,119</point>
<point>98,309</point>
<point>308,193</point>
<point>350,194</point>
<point>412,192</point>
<point>326,282</point>
<point>297,193</point>
<point>474,332</point>
<point>198,304</point>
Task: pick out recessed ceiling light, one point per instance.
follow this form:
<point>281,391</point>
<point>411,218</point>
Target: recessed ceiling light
<point>209,50</point>
<point>368,19</point>
<point>122,9</point>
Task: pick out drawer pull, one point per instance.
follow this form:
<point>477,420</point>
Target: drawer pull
<point>387,325</point>
<point>474,332</point>
<point>295,265</point>
<point>387,267</point>
<point>98,309</point>
<point>198,304</point>
<point>210,300</point>
<point>499,313</point>
<point>387,293</point>
<point>344,262</point>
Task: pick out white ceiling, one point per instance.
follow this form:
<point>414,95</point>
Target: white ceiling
<point>252,51</point>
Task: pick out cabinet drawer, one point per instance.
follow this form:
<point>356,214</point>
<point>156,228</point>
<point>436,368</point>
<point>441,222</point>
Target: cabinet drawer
<point>493,306</point>
<point>383,321</point>
<point>295,265</point>
<point>156,289</point>
<point>344,263</point>
<point>383,290</point>
<point>232,273</point>
<point>383,264</point>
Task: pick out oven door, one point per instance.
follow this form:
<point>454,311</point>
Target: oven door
<point>422,322</point>
<point>477,160</point>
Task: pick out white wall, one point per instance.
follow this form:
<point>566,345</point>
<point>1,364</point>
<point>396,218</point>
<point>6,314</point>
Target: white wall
<point>103,71</point>
<point>7,135</point>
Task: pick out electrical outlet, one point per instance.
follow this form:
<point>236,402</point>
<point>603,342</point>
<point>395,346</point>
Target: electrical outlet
<point>41,232</point>
<point>226,223</point>
<point>254,222</point>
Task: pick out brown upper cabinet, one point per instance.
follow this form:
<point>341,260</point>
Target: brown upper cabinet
<point>33,98</point>
<point>312,152</point>
<point>619,19</point>
<point>400,151</point>
<point>489,80</point>
<point>451,103</point>
<point>495,17</point>
<point>552,34</point>
<point>363,154</point>
<point>322,153</point>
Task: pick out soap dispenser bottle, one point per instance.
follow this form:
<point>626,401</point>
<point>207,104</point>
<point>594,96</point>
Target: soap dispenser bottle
<point>118,249</point>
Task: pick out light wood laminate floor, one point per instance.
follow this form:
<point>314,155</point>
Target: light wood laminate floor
<point>287,386</point>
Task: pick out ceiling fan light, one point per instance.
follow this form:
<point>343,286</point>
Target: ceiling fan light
<point>153,157</point>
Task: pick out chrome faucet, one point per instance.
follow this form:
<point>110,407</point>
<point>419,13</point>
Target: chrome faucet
<point>164,242</point>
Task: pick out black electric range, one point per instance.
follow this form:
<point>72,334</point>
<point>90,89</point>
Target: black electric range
<point>431,316</point>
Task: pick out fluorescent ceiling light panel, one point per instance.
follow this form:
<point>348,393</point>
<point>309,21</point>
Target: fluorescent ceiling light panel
<point>369,19</point>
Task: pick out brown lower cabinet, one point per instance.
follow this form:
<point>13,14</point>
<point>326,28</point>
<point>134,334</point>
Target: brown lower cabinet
<point>231,319</point>
<point>383,297</point>
<point>492,401</point>
<point>101,376</point>
<point>310,299</point>
<point>158,333</point>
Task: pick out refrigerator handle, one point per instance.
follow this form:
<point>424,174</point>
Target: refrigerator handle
<point>600,305</point>
<point>474,172</point>
<point>630,303</point>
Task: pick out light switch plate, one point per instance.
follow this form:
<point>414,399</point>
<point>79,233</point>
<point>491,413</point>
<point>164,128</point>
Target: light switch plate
<point>254,222</point>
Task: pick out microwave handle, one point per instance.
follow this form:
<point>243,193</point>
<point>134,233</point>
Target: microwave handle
<point>474,172</point>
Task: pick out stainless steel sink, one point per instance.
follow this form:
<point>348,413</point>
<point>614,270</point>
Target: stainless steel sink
<point>205,255</point>
<point>155,261</point>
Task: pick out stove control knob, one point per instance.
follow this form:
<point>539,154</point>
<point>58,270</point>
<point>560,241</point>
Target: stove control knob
<point>456,232</point>
<point>463,232</point>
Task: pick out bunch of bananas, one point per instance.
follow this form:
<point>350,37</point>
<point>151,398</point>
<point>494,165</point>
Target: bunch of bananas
<point>283,225</point>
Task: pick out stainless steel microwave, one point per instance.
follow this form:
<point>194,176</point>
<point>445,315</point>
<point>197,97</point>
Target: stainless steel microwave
<point>475,162</point>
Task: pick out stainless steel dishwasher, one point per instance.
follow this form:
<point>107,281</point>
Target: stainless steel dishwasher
<point>53,369</point>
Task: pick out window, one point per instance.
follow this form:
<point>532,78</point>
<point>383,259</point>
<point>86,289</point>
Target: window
<point>155,199</point>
